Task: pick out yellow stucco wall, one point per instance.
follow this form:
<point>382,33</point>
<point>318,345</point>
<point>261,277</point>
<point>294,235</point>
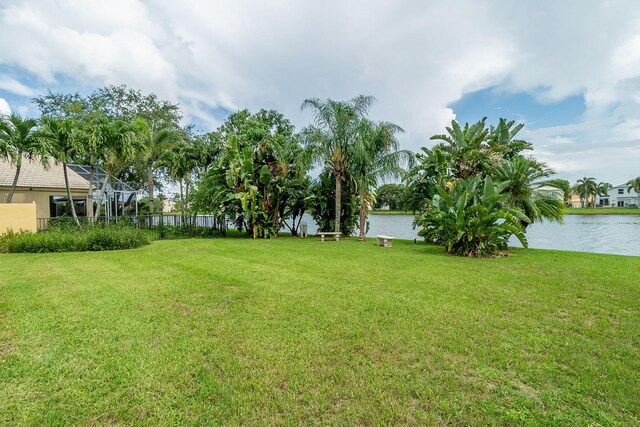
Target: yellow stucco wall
<point>17,217</point>
<point>40,196</point>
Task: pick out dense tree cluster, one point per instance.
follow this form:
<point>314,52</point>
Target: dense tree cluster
<point>258,174</point>
<point>390,196</point>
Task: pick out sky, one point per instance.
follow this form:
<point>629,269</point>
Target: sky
<point>569,70</point>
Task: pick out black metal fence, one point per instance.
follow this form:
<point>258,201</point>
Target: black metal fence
<point>158,227</point>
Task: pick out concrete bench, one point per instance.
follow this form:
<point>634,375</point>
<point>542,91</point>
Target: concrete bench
<point>385,241</point>
<point>336,235</point>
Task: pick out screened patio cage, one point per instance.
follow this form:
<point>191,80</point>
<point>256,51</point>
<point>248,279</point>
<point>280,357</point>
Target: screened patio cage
<point>119,197</point>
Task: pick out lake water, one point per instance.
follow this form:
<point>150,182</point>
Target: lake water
<point>607,234</point>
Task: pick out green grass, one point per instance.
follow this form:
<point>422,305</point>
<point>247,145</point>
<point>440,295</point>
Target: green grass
<point>602,211</point>
<point>294,331</point>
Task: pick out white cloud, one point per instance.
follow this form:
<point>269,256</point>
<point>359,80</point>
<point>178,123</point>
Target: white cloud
<point>416,57</point>
<point>4,107</point>
<point>14,86</point>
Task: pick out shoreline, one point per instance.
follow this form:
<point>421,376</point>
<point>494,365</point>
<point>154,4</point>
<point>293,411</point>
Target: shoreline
<point>569,211</point>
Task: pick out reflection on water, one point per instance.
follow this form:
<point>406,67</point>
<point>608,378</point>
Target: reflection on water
<point>610,234</point>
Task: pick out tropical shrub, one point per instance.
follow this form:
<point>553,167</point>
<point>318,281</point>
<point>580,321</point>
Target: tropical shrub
<point>74,240</point>
<point>472,219</point>
<point>444,185</point>
<point>465,151</point>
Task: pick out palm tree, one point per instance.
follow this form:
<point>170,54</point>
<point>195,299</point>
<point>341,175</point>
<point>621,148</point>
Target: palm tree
<point>523,176</point>
<point>602,190</point>
<point>5,149</point>
<point>586,188</point>
<point>332,135</point>
<point>184,160</point>
<point>61,137</point>
<point>634,184</point>
<point>88,135</point>
<point>19,139</point>
<point>158,143</point>
<point>118,145</point>
<point>375,155</point>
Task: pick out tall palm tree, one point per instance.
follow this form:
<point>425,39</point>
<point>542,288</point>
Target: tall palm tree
<point>634,184</point>
<point>375,155</point>
<point>332,135</point>
<point>523,176</point>
<point>182,163</point>
<point>5,149</point>
<point>88,136</point>
<point>61,138</point>
<point>586,189</point>
<point>19,137</point>
<point>602,190</point>
<point>158,143</point>
<point>118,144</point>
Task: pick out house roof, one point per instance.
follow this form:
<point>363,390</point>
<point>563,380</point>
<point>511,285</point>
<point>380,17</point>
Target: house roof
<point>35,175</point>
<point>549,188</point>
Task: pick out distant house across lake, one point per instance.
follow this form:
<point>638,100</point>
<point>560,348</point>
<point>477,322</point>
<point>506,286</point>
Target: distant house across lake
<point>618,197</point>
<point>551,192</point>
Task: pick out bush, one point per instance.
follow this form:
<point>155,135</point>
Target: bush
<point>472,219</point>
<point>74,240</point>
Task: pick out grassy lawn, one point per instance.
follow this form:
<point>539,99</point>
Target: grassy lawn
<point>602,211</point>
<point>294,331</point>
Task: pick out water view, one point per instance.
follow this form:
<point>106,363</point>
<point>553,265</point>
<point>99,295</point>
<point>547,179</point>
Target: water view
<point>607,234</point>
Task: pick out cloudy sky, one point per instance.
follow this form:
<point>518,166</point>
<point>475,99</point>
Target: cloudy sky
<point>570,70</point>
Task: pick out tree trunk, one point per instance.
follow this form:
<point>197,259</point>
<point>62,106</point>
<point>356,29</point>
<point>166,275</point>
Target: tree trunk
<point>187,185</point>
<point>15,179</point>
<point>296,227</point>
<point>101,195</point>
<point>362,237</point>
<point>90,204</point>
<point>182,215</point>
<point>66,183</point>
<point>338,204</point>
<point>150,184</point>
<point>276,216</point>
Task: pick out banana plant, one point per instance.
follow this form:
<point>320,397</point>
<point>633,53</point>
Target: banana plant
<point>473,218</point>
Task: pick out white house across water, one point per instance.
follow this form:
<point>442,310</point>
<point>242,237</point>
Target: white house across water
<point>619,197</point>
